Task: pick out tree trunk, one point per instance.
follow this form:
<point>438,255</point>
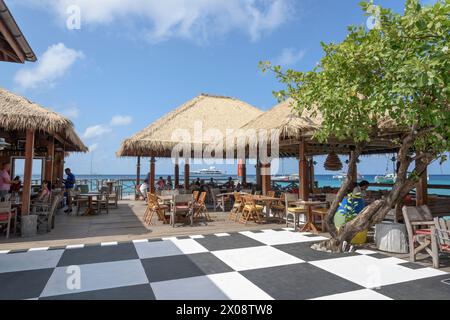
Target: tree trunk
<point>377,211</point>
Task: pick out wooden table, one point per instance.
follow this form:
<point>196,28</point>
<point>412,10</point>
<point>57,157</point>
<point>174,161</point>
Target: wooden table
<point>222,198</point>
<point>267,202</point>
<point>90,210</point>
<point>309,226</point>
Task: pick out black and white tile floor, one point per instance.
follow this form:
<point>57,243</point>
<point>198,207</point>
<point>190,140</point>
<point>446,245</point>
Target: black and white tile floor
<point>267,264</point>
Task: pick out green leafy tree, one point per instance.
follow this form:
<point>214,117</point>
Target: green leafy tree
<point>394,77</point>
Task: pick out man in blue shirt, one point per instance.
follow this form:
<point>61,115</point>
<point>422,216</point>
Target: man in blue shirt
<point>69,184</point>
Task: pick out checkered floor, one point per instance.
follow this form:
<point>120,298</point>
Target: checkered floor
<point>253,265</point>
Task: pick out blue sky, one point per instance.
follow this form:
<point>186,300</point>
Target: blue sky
<point>132,61</point>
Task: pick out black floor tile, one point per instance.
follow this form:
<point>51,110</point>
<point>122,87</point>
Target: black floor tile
<point>98,254</point>
<point>23,284</point>
<point>298,282</point>
<point>303,251</point>
<point>424,289</point>
<point>138,292</point>
<point>170,268</point>
<point>209,263</point>
<point>234,241</point>
<point>412,265</point>
<point>379,256</point>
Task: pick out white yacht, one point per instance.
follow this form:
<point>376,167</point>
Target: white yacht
<point>211,171</point>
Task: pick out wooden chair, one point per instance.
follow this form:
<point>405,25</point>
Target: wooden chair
<point>293,211</point>
<point>279,208</point>
<point>182,206</point>
<point>271,194</point>
<point>102,201</point>
<point>154,207</point>
<point>46,217</point>
<point>200,208</point>
<point>7,214</point>
<point>441,239</point>
<point>419,238</point>
<point>251,211</point>
<point>238,205</point>
<point>113,198</point>
<point>196,193</point>
<point>322,211</point>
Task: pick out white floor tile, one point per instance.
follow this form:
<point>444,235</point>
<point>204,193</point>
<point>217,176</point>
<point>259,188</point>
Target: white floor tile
<point>140,241</point>
<point>39,249</point>
<point>29,260</point>
<point>189,246</point>
<point>75,246</point>
<point>222,234</point>
<point>4,251</point>
<point>108,244</point>
<point>194,288</point>
<point>255,258</point>
<point>96,276</point>
<point>273,238</point>
<point>237,287</point>
<point>370,272</point>
<point>197,237</point>
<point>157,249</point>
<point>365,252</point>
<point>364,294</point>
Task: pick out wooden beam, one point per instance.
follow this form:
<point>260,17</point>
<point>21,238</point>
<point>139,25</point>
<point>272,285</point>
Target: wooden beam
<point>266,181</point>
<point>422,190</point>
<point>355,171</point>
<point>152,174</point>
<point>138,176</point>
<point>49,161</point>
<point>12,42</point>
<point>303,172</point>
<point>28,173</point>
<point>186,174</point>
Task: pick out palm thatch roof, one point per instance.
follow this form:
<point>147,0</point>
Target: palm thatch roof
<point>289,127</point>
<point>19,114</point>
<point>216,113</point>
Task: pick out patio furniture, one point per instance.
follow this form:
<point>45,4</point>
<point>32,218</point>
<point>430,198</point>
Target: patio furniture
<point>90,208</point>
<point>79,200</point>
<point>46,217</point>
<point>102,200</point>
<point>415,219</point>
<point>154,207</point>
<point>293,211</point>
<point>113,198</point>
<point>321,211</point>
<point>221,199</point>
<point>200,208</point>
<point>251,210</point>
<point>196,193</point>
<point>7,214</point>
<point>182,206</point>
<point>308,205</point>
<point>278,208</point>
<point>238,205</point>
<point>440,239</point>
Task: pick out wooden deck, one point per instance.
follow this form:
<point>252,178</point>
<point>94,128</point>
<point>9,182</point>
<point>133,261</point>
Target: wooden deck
<point>122,224</point>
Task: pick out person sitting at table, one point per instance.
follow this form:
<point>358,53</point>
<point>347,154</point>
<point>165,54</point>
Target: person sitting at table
<point>229,184</point>
<point>16,185</point>
<point>143,189</point>
<point>45,193</point>
<point>212,183</point>
<point>169,183</point>
<point>238,187</point>
<point>161,184</point>
<point>361,188</point>
<point>349,208</point>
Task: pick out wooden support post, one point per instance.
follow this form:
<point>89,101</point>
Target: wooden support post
<point>28,173</point>
<point>311,175</point>
<point>50,159</point>
<point>303,171</point>
<point>266,183</point>
<point>177,174</point>
<point>422,190</point>
<point>186,175</point>
<point>244,173</point>
<point>138,176</point>
<point>355,172</point>
<point>258,173</point>
<point>152,174</point>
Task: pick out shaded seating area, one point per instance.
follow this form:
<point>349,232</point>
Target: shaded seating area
<point>30,133</point>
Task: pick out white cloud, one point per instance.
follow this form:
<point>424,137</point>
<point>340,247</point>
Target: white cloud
<point>96,131</point>
<point>121,120</point>
<point>289,57</point>
<point>189,19</point>
<point>53,64</point>
<point>93,147</point>
<point>71,112</point>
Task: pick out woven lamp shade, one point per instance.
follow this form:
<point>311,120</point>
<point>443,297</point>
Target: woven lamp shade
<point>333,163</point>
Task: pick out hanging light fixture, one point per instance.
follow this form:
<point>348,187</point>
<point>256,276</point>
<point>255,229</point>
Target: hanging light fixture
<point>333,163</point>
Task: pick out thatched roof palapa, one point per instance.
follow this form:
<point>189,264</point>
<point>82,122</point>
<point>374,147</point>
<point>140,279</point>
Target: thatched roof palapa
<point>214,112</point>
<point>19,114</point>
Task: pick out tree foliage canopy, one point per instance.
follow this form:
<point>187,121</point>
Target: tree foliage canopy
<point>400,69</point>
